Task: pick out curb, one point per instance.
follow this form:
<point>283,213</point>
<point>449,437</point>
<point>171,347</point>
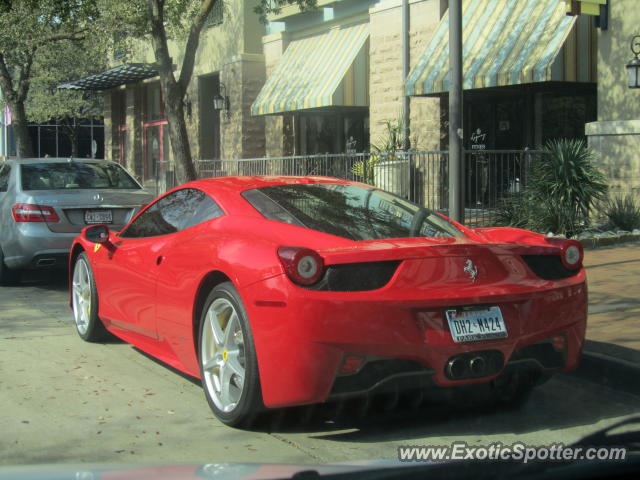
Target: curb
<point>597,242</point>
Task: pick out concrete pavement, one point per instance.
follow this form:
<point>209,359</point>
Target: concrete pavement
<point>66,401</point>
<point>612,351</point>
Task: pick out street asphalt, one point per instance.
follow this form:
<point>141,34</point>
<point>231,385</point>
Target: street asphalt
<point>66,401</point>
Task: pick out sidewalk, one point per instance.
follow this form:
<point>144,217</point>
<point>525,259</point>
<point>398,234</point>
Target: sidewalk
<point>612,351</point>
<point>613,276</point>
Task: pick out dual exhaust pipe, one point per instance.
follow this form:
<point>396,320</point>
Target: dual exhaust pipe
<point>474,365</point>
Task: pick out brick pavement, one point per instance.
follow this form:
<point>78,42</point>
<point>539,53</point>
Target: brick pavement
<point>613,276</point>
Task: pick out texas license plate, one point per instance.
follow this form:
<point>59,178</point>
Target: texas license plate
<point>476,324</point>
<point>97,216</point>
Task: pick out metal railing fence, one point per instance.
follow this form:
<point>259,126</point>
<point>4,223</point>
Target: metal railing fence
<point>420,176</point>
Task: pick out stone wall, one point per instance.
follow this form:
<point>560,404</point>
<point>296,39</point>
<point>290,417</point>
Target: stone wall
<point>386,85</point>
<point>242,134</point>
<point>274,125</point>
<point>616,134</point>
<point>617,144</point>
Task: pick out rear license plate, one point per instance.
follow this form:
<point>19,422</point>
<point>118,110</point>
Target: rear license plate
<point>476,324</point>
<point>97,216</point>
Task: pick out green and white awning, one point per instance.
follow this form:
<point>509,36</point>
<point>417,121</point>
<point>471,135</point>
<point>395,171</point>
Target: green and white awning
<point>505,42</point>
<point>311,71</point>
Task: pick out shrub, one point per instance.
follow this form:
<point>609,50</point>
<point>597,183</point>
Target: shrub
<point>564,186</point>
<point>624,212</point>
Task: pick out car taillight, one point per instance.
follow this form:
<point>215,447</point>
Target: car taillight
<point>571,252</point>
<point>29,212</point>
<point>302,265</point>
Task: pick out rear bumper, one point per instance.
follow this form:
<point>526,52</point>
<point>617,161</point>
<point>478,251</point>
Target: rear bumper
<point>302,337</point>
<point>33,245</point>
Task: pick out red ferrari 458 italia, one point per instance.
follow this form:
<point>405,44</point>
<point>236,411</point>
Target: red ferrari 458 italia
<point>282,291</point>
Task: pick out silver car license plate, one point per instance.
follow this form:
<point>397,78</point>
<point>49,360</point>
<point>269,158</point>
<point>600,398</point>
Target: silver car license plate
<point>92,217</point>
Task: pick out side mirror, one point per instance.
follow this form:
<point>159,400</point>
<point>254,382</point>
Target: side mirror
<point>96,234</point>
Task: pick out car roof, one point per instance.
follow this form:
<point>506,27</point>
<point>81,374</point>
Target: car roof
<point>26,161</point>
<point>241,183</point>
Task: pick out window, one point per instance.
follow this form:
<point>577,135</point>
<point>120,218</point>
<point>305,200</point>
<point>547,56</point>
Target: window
<point>174,212</point>
<point>348,211</point>
<point>153,103</point>
<point>339,132</point>
<point>156,148</point>
<point>75,175</point>
<point>216,16</point>
<point>5,170</point>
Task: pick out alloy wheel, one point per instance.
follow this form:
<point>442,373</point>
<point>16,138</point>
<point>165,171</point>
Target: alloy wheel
<point>223,355</point>
<point>81,288</point>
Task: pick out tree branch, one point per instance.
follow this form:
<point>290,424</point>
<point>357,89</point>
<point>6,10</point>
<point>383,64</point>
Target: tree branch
<point>56,37</point>
<point>192,43</point>
<point>25,77</point>
<point>159,39</point>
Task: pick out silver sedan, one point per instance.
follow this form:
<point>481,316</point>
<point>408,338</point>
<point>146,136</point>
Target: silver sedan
<point>44,203</point>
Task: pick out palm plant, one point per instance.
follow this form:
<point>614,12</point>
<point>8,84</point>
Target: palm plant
<point>624,212</point>
<point>563,189</point>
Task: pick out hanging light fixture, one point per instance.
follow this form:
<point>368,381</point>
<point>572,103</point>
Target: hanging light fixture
<point>633,67</point>
<point>221,100</point>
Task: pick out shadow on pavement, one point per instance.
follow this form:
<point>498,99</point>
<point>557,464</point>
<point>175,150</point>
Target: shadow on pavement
<point>552,406</point>
<point>55,280</point>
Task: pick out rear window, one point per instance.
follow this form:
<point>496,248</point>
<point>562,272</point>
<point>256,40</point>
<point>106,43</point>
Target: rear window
<point>75,175</point>
<point>349,211</point>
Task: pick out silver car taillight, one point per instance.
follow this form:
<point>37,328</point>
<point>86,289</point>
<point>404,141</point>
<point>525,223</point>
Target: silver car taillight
<point>29,212</point>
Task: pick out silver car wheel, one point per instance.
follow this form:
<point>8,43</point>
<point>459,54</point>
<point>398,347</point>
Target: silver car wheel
<point>81,296</point>
<point>223,355</point>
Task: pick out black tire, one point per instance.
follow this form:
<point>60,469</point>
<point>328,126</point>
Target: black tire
<point>7,276</point>
<point>88,324</point>
<point>248,405</point>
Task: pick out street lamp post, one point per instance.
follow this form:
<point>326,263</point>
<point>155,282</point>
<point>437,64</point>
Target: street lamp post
<point>633,67</point>
<point>456,152</point>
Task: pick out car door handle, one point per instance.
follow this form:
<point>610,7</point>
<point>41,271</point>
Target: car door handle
<point>159,260</point>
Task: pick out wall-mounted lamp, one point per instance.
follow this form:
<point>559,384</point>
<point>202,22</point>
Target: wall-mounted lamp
<point>221,100</point>
<point>633,67</point>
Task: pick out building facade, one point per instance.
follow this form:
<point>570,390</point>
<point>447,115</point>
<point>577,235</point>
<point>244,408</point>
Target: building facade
<point>229,64</point>
<point>331,81</point>
<point>343,97</point>
<point>615,136</point>
<point>530,75</point>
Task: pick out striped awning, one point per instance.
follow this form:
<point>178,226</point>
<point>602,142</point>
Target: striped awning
<point>505,42</point>
<point>310,72</point>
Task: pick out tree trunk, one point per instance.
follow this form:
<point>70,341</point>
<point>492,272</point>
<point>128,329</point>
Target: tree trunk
<point>173,90</point>
<point>179,137</point>
<point>24,147</point>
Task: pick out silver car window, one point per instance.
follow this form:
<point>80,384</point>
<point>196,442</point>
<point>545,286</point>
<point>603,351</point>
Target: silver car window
<point>75,175</point>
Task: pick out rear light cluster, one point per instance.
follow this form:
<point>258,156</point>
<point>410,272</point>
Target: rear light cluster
<point>306,268</point>
<point>554,267</point>
<point>29,212</point>
<point>302,265</point>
